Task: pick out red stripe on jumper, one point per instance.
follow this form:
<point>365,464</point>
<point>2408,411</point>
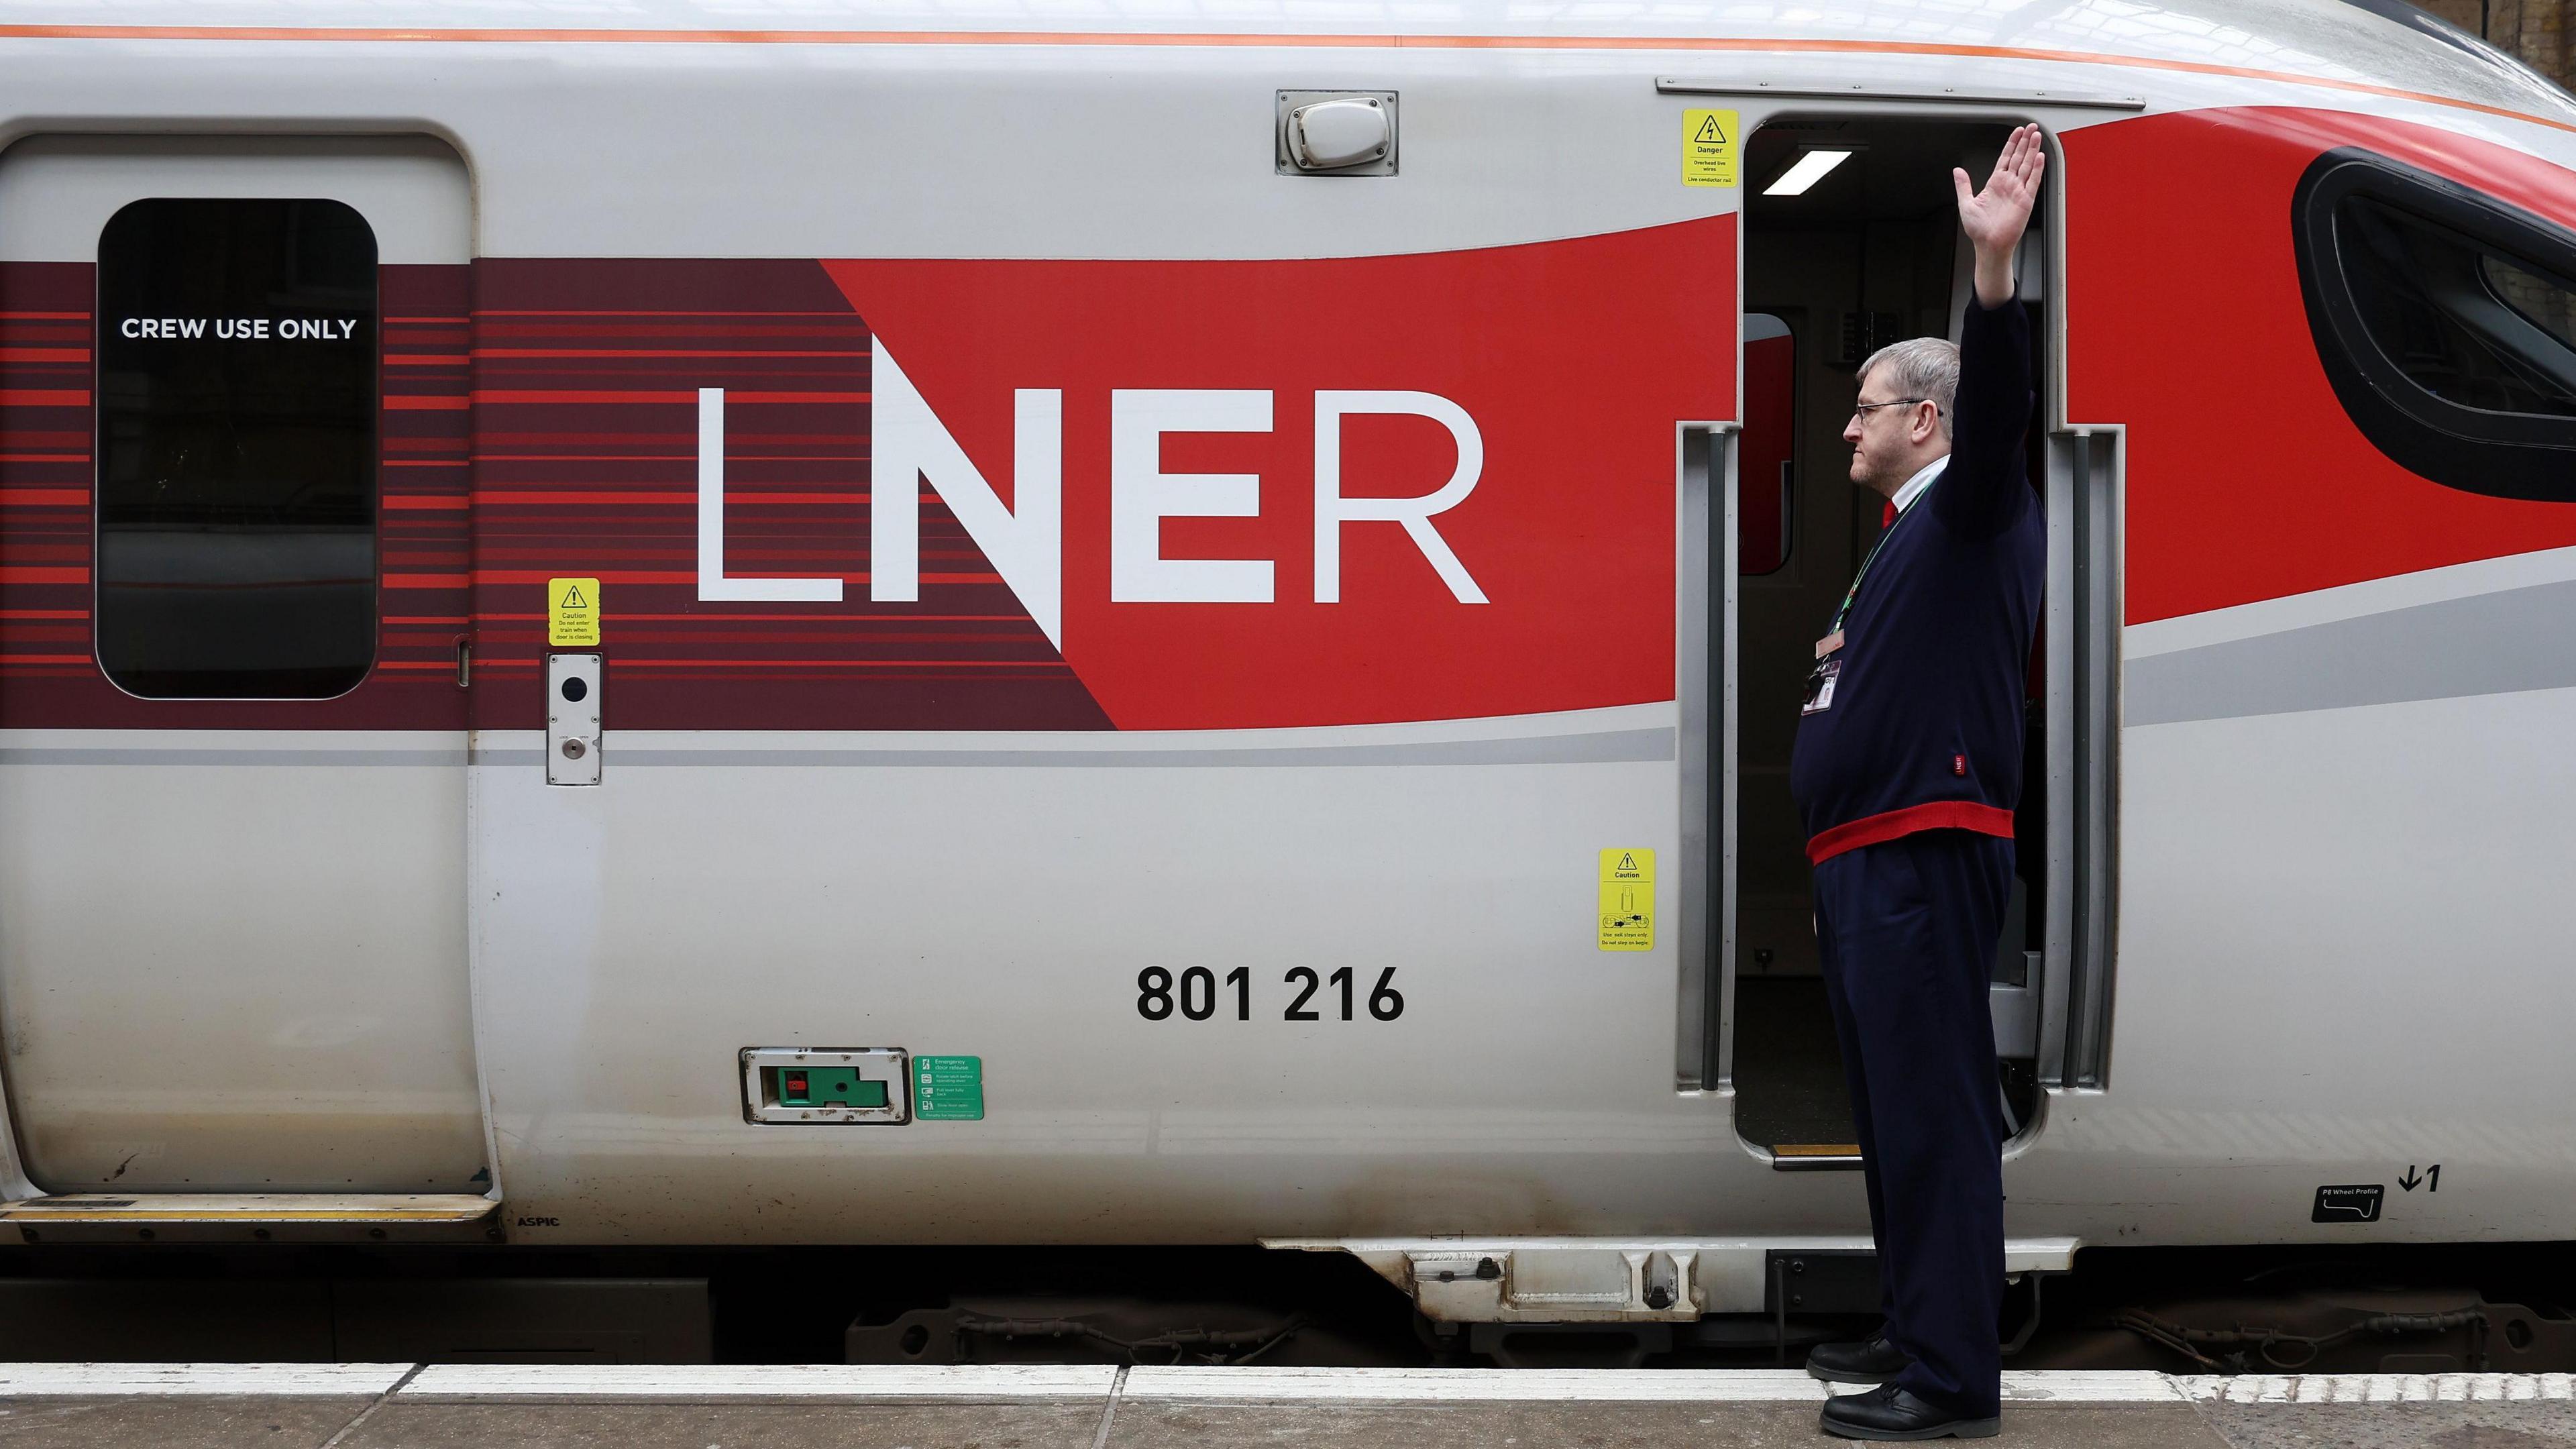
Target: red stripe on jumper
<point>1934,815</point>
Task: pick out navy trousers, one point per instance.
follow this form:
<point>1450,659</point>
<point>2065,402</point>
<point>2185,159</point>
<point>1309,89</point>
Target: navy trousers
<point>1907,930</point>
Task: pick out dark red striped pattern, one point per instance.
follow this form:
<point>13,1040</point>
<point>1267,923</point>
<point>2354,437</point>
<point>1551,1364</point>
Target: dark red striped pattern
<point>49,674</point>
<point>585,403</point>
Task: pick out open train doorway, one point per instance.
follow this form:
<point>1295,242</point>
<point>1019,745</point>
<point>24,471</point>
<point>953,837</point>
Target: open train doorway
<point>1851,242</point>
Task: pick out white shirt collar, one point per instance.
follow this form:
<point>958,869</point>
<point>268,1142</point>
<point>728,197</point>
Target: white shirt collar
<point>1915,485</point>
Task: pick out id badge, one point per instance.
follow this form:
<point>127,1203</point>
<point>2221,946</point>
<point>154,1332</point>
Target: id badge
<point>1820,686</point>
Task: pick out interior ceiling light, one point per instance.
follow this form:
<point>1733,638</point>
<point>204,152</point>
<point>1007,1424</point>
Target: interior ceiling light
<point>1808,170</point>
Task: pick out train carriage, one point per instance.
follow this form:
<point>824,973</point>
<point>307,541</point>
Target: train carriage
<point>885,622</point>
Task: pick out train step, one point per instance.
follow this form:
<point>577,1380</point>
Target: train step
<point>96,1217</point>
<point>1815,1157</point>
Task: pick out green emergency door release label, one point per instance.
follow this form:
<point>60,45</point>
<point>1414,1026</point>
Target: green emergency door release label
<point>948,1089</point>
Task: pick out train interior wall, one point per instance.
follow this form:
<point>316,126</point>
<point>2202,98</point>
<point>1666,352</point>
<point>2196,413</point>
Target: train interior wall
<point>1869,255</point>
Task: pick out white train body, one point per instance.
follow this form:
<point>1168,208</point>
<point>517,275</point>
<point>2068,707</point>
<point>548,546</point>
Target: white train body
<point>1139,678</point>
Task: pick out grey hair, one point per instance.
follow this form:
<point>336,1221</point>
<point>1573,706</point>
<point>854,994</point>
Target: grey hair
<point>1924,367</point>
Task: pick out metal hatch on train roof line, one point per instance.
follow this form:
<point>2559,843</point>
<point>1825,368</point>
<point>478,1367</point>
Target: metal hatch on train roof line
<point>1336,133</point>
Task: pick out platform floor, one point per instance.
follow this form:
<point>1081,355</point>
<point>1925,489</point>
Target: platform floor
<point>405,1406</point>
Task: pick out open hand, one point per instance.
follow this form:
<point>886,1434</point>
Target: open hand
<point>1995,218</point>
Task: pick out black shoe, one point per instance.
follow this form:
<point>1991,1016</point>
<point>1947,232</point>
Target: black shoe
<point>1888,1412</point>
<point>1872,1360</point>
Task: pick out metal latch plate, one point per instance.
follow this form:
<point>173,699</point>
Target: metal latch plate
<point>572,718</point>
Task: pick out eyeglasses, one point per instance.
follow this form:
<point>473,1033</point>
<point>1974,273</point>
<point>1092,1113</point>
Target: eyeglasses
<point>1860,410</point>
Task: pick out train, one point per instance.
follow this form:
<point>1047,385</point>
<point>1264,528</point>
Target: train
<point>896,622</point>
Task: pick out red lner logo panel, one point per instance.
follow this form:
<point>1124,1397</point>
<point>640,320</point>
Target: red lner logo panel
<point>1570,361</point>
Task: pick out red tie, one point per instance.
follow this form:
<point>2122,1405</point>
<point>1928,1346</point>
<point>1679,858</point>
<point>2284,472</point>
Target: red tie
<point>1888,518</point>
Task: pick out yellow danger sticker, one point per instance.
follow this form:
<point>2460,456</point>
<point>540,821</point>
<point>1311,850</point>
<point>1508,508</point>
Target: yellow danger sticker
<point>572,613</point>
<point>1708,148</point>
<point>1628,900</point>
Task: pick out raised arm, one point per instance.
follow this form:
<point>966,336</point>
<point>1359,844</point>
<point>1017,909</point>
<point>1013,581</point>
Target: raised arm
<point>1995,218</point>
<point>1987,485</point>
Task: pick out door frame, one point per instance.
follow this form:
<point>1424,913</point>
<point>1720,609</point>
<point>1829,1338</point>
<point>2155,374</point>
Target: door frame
<point>2083,495</point>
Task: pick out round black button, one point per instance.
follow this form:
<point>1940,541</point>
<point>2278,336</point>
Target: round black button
<point>576,689</point>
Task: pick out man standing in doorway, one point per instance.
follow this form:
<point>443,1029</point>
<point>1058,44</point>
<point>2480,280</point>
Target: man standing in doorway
<point>1907,767</point>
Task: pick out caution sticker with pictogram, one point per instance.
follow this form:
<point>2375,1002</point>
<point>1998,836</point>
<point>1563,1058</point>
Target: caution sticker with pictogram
<point>1708,148</point>
<point>1628,900</point>
<point>572,613</point>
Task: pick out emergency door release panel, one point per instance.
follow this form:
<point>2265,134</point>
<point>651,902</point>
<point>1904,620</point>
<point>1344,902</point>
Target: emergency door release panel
<point>572,719</point>
<point>1336,133</point>
<point>848,1086</point>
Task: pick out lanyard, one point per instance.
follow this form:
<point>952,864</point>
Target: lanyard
<point>1872,557</point>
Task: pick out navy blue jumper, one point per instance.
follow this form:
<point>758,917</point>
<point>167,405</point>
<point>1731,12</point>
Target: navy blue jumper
<point>1907,781</point>
<point>1925,728</point>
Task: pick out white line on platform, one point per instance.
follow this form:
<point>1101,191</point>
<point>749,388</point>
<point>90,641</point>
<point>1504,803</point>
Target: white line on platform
<point>1466,1385</point>
<point>785,1381</point>
<point>124,1380</point>
<point>990,1382</point>
<point>2088,1386</point>
<point>2381,1388</point>
<point>1598,1385</point>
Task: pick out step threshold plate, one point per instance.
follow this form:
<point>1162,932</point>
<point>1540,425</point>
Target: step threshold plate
<point>1816,1156</point>
<point>97,1217</point>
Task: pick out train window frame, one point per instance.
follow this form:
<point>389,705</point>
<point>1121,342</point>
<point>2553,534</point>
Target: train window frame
<point>2521,455</point>
<point>1785,484</point>
<point>333,669</point>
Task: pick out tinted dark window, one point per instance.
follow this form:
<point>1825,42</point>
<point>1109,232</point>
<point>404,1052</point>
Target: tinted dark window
<point>2435,301</point>
<point>237,448</point>
<point>2444,319</point>
<point>2544,302</point>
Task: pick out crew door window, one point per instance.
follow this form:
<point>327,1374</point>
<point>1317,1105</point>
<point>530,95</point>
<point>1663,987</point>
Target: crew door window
<point>236,403</point>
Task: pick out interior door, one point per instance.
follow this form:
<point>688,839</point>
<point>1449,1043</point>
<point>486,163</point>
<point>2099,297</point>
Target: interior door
<point>233,581</point>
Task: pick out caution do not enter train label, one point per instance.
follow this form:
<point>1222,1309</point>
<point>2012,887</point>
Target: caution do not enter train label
<point>1628,900</point>
<point>572,613</point>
